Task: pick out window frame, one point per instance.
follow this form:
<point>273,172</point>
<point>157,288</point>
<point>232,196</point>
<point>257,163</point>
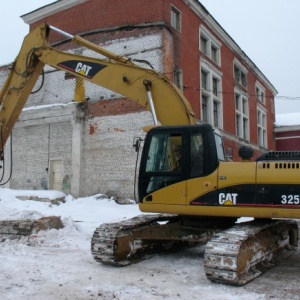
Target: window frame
<point>176,18</point>
<point>240,74</point>
<point>211,95</point>
<point>178,78</point>
<point>260,93</point>
<point>204,44</point>
<point>242,122</point>
<point>262,137</point>
<point>210,43</point>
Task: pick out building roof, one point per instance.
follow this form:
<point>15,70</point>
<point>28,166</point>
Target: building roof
<point>195,6</point>
<point>289,119</point>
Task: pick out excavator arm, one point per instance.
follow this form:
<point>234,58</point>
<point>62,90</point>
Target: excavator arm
<point>147,87</point>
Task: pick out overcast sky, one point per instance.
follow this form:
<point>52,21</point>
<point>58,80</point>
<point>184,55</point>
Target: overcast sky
<point>266,30</point>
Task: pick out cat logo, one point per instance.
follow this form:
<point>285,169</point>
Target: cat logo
<point>87,69</point>
<point>83,69</point>
<point>228,199</point>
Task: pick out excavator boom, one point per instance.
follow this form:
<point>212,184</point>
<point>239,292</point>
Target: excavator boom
<point>147,87</point>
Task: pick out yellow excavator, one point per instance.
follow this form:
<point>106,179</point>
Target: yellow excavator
<point>188,191</point>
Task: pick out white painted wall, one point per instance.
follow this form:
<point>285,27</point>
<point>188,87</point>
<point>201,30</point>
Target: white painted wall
<point>103,162</point>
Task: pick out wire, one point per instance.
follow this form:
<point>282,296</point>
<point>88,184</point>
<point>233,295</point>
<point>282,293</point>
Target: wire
<point>279,97</point>
<point>137,147</point>
<point>42,83</point>
<point>3,156</point>
<point>287,98</point>
<point>143,61</point>
<point>11,159</point>
<point>26,72</point>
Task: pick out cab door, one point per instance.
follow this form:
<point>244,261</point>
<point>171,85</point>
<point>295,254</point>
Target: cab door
<point>203,175</point>
<point>163,176</point>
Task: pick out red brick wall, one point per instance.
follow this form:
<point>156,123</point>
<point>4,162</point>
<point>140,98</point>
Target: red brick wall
<point>188,55</point>
<point>100,14</point>
<point>113,107</point>
<point>288,140</point>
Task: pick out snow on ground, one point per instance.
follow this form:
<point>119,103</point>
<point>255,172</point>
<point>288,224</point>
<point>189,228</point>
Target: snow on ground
<point>57,264</point>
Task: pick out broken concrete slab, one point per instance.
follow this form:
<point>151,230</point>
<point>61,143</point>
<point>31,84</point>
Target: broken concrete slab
<point>56,201</point>
<point>25,227</point>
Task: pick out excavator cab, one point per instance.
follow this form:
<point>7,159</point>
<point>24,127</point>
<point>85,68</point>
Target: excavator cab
<point>174,154</point>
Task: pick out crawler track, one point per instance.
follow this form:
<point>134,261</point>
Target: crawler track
<point>136,239</point>
<point>116,243</point>
<point>243,252</point>
<point>233,256</point>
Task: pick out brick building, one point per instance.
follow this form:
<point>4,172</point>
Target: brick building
<point>90,151</point>
<point>287,132</point>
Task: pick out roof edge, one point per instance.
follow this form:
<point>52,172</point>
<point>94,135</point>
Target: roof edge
<point>200,10</point>
<point>50,9</point>
<point>195,5</point>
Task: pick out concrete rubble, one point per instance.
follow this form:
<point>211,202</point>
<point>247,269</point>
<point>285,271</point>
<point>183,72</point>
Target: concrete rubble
<point>24,227</point>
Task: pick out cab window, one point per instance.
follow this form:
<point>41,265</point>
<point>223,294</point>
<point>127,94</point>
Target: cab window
<point>164,161</point>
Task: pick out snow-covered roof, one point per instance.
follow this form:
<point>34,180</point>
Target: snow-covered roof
<point>289,119</point>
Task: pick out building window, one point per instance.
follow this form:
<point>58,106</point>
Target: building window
<point>204,44</point>
<point>178,77</point>
<point>211,96</point>
<point>204,100</point>
<point>260,93</point>
<point>175,18</point>
<point>240,74</point>
<point>261,128</point>
<point>215,86</point>
<point>204,79</point>
<point>210,46</point>
<point>214,54</point>
<point>216,113</point>
<point>241,115</point>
